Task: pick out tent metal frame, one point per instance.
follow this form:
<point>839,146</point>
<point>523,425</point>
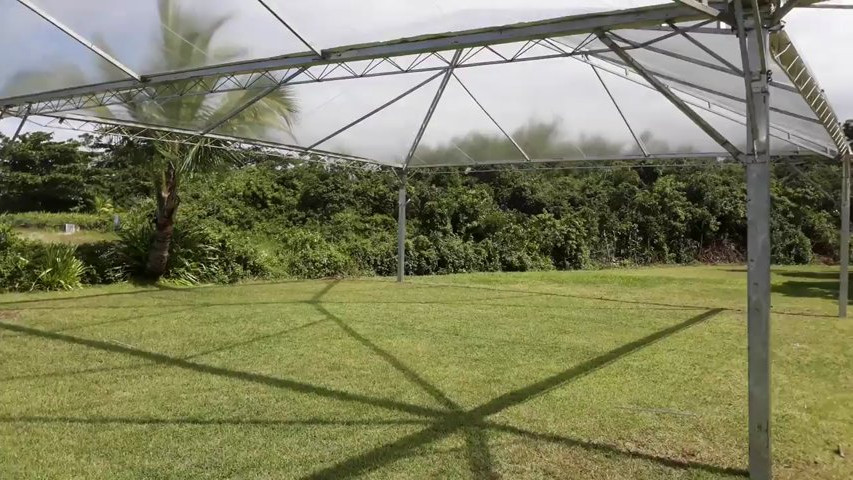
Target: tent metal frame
<point>756,23</point>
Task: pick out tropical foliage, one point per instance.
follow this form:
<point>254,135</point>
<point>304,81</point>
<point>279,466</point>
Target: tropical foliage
<point>269,218</point>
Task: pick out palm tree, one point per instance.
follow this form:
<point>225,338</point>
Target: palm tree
<point>187,43</point>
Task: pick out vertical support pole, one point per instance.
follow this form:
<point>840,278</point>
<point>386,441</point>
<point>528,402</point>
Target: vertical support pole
<point>401,229</point>
<point>754,37</point>
<point>845,236</point>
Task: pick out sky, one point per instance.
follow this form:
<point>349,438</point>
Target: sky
<point>562,91</point>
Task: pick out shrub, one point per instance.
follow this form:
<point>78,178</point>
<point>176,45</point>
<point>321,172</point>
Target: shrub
<point>789,245</point>
<point>56,267</point>
<point>308,255</point>
<point>207,252</point>
<point>26,265</point>
<point>13,263</point>
<point>421,256</point>
<point>376,255</point>
<point>103,264</point>
<point>202,251</point>
<point>561,240</point>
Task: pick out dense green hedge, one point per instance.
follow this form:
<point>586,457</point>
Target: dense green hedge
<point>273,219</point>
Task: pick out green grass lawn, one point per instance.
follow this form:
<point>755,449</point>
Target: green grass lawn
<point>55,236</point>
<point>589,375</point>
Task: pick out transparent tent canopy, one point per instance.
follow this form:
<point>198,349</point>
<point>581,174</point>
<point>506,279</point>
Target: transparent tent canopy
<point>469,97</point>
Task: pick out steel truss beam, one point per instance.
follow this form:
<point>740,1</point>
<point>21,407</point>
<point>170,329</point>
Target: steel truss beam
<point>178,136</point>
<point>435,61</point>
<point>64,121</point>
<point>432,62</point>
<point>521,32</point>
<point>707,10</point>
<point>702,104</point>
<point>422,63</point>
<point>131,130</point>
<point>439,63</point>
<point>671,96</point>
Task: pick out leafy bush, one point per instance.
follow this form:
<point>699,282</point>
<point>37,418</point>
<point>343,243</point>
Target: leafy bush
<point>26,265</point>
<point>202,251</point>
<point>56,267</point>
<point>103,264</point>
<point>13,263</point>
<point>309,255</point>
<point>272,218</point>
<point>789,245</point>
<point>206,252</point>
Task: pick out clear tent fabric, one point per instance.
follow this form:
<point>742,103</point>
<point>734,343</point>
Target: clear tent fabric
<point>556,99</point>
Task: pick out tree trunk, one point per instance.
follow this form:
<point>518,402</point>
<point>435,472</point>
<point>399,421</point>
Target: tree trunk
<point>167,207</point>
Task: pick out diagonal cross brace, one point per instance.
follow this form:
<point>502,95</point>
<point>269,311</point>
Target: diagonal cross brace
<point>671,96</point>
<point>79,39</point>
<point>494,121</point>
<point>447,74</point>
<point>372,112</point>
<point>704,8</point>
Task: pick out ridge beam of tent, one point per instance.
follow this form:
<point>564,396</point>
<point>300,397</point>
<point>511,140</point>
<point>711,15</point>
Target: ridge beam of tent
<point>703,7</point>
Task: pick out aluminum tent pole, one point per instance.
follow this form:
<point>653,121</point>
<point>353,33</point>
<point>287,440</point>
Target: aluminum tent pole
<point>621,113</point>
<point>845,236</point>
<point>754,41</point>
<point>401,228</point>
<point>20,127</point>
<point>80,39</point>
<point>447,74</point>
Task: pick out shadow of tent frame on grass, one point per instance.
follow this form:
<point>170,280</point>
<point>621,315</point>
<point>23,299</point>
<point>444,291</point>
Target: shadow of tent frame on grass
<point>440,422</point>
